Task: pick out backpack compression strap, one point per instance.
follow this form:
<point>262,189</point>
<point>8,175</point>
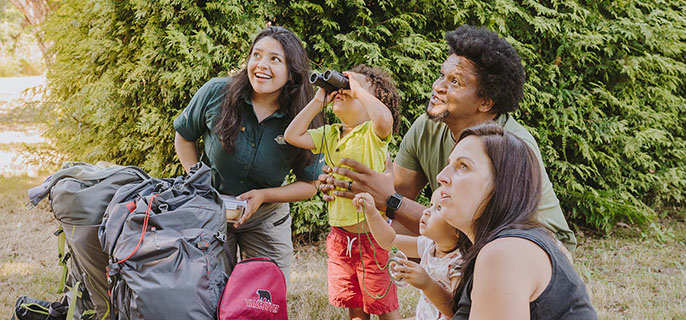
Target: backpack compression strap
<point>145,226</point>
<point>75,294</point>
<point>61,240</point>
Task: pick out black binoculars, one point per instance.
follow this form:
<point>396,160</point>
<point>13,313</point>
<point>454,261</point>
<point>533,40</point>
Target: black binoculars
<point>330,80</point>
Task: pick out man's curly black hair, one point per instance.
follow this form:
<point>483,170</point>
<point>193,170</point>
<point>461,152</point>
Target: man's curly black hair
<point>384,89</point>
<point>499,68</point>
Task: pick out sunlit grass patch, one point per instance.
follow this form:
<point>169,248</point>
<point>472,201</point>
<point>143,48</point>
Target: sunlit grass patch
<point>17,269</point>
<point>635,276</point>
<point>308,295</point>
<point>28,255</point>
<point>629,274</point>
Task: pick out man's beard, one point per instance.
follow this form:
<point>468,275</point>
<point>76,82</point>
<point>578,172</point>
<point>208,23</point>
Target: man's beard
<point>436,117</point>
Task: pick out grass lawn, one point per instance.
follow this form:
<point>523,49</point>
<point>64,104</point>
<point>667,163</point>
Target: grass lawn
<point>629,275</point>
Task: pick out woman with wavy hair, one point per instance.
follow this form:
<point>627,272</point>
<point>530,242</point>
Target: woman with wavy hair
<point>241,121</point>
<point>512,266</point>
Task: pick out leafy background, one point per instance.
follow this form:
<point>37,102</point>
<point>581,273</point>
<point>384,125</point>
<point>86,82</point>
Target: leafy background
<point>605,95</point>
<point>19,52</point>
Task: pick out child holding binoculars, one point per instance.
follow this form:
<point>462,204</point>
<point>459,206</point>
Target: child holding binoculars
<point>368,110</point>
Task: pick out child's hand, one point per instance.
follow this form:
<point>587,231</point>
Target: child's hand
<point>321,95</point>
<point>364,202</point>
<point>413,273</point>
<point>355,86</point>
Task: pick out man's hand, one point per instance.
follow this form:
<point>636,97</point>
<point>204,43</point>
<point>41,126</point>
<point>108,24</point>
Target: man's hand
<point>324,186</point>
<point>364,179</point>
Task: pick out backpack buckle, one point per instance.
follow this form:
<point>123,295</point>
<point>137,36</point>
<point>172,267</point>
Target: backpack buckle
<point>112,273</point>
<point>65,258</point>
<point>113,270</point>
<point>203,245</point>
<point>57,309</point>
<point>220,236</point>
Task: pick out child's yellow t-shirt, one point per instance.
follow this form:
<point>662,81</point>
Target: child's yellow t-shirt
<point>361,144</point>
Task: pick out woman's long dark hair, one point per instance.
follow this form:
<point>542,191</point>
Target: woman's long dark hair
<point>512,203</point>
<point>295,94</point>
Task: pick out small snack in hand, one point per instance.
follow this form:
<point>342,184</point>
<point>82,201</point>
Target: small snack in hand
<point>234,208</point>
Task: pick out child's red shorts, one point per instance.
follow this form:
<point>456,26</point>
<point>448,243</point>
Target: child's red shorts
<point>345,273</point>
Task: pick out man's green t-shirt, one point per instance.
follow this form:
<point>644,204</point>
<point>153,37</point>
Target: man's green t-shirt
<point>428,143</point>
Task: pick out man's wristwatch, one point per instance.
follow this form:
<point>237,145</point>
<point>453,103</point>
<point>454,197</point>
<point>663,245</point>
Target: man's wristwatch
<point>392,204</point>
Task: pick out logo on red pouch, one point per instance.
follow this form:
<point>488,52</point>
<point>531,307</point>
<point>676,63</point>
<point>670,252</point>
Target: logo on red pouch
<point>263,302</point>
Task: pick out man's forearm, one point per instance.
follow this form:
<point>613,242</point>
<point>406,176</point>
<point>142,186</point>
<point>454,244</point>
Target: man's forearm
<point>409,214</point>
<point>408,183</point>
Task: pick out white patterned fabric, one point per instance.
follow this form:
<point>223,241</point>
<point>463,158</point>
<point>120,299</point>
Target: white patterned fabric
<point>441,269</point>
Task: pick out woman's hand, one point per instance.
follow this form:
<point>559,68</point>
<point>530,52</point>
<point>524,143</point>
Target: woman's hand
<point>365,203</point>
<point>255,198</point>
<point>413,273</point>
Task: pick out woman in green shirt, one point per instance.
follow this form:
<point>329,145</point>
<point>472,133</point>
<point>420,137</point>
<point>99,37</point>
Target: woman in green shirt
<point>241,121</point>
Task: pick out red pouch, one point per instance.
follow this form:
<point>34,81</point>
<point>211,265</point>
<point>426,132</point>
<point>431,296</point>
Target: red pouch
<point>256,290</point>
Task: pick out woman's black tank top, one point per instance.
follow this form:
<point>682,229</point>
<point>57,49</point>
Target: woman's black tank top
<point>565,297</point>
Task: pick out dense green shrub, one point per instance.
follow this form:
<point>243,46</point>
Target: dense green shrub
<point>605,97</point>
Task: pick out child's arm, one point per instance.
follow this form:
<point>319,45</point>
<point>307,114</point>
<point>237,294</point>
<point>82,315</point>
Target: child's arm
<point>296,133</point>
<point>415,275</point>
<point>381,116</point>
<point>382,231</point>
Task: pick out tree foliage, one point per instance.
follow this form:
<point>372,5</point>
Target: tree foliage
<point>19,49</point>
<point>605,96</point>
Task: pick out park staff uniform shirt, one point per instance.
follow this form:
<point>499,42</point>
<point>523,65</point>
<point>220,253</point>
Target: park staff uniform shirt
<point>426,148</point>
<point>361,144</point>
<point>262,158</point>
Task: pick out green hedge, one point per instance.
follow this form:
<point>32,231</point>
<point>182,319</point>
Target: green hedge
<point>605,96</point>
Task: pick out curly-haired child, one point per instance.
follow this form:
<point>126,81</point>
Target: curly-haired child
<point>368,112</point>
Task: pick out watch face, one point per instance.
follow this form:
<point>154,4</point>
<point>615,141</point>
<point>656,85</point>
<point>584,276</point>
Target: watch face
<point>393,202</point>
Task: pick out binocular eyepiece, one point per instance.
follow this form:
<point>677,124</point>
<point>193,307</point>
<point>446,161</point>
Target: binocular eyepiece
<point>330,80</point>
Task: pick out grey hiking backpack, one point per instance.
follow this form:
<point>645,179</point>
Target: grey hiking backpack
<point>79,194</point>
<point>164,239</point>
